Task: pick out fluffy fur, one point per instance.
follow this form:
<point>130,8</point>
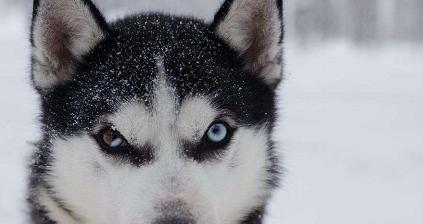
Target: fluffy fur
<point>161,81</point>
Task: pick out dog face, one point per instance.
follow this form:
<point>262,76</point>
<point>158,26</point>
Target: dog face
<point>155,119</point>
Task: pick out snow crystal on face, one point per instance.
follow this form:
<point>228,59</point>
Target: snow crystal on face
<point>124,66</point>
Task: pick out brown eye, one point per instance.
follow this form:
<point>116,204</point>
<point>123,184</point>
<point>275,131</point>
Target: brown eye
<point>112,138</point>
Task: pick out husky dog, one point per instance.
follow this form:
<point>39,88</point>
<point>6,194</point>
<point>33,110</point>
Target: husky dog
<point>155,119</point>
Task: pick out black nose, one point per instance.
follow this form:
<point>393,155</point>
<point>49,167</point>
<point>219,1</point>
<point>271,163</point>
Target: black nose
<point>174,220</point>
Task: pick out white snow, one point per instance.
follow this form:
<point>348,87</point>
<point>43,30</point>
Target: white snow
<point>352,136</point>
<point>351,131</point>
<point>18,113</point>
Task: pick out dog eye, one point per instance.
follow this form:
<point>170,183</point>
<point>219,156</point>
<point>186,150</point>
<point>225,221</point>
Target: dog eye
<point>218,133</point>
<point>112,138</point>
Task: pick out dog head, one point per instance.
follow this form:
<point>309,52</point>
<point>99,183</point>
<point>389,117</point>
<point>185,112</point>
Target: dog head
<point>154,119</point>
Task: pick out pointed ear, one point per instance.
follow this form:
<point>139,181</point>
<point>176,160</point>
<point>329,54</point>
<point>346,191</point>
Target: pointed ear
<point>62,32</point>
<point>254,28</point>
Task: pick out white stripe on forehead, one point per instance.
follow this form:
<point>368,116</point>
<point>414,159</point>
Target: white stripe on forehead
<point>164,107</point>
<point>166,123</point>
<point>164,102</point>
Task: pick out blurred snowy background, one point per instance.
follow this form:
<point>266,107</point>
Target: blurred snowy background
<point>351,126</point>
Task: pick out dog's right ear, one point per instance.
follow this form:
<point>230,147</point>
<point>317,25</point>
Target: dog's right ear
<point>62,32</point>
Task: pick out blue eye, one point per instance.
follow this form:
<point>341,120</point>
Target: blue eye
<point>217,133</point>
<point>116,142</point>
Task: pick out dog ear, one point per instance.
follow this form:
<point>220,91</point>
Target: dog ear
<point>255,29</point>
<point>62,32</point>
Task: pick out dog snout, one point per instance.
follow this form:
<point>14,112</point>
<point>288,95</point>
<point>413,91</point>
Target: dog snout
<point>174,212</point>
<point>174,220</point>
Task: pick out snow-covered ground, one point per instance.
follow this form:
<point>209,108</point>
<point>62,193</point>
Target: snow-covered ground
<point>352,136</point>
<point>351,131</point>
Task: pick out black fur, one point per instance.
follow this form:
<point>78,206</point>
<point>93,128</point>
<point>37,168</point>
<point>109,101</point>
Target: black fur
<point>123,67</point>
<point>221,14</point>
<point>99,18</point>
<point>35,7</point>
<point>137,156</point>
<point>255,217</point>
<point>280,8</point>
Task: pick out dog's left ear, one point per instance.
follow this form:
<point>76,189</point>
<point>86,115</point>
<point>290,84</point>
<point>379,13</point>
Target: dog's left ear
<point>62,32</point>
<point>254,29</point>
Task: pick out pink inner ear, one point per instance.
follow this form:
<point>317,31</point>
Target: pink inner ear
<point>254,28</point>
<point>57,47</point>
<point>63,31</point>
<point>261,31</point>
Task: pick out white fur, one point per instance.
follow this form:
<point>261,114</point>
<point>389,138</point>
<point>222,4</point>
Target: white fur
<point>195,116</point>
<point>100,190</point>
<point>54,211</point>
<point>54,18</point>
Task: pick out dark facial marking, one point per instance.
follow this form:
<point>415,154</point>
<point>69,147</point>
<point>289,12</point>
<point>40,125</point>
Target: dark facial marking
<point>255,217</point>
<point>137,156</point>
<point>207,149</point>
<point>174,212</point>
<point>174,220</point>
